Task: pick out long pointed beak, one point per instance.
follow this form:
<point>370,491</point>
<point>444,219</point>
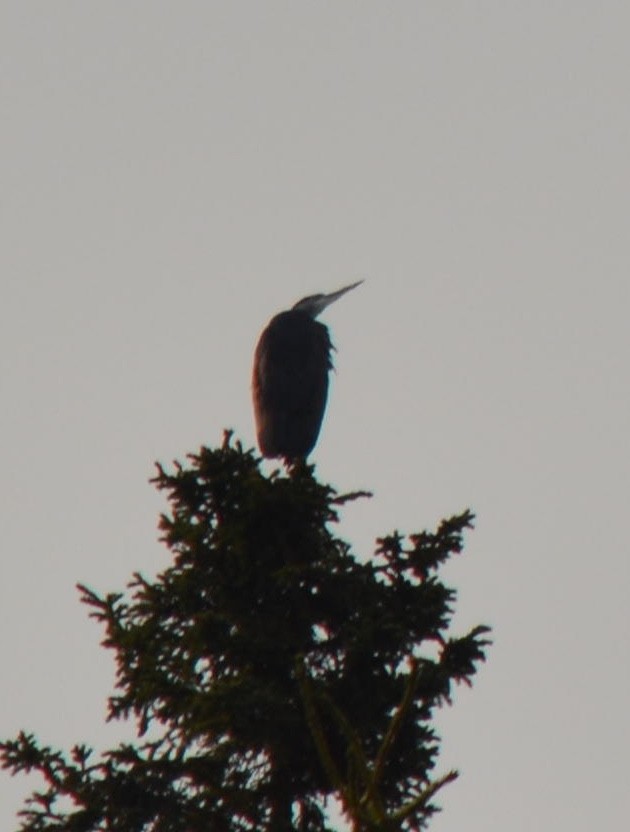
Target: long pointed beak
<point>333,296</point>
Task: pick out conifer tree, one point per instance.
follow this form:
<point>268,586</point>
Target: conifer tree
<point>267,668</point>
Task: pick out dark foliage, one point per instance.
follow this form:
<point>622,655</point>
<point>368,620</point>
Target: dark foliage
<point>267,669</point>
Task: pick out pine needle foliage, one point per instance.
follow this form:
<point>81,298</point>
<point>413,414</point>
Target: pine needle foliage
<point>267,668</point>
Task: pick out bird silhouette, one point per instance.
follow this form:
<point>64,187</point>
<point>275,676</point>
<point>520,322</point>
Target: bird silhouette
<point>290,378</point>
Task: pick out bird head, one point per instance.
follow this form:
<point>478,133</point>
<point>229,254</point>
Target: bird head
<point>314,305</point>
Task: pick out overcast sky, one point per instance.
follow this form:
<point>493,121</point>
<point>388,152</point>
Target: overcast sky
<point>172,175</point>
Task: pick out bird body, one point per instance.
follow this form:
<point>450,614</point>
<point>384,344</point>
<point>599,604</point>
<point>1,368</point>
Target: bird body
<point>291,384</point>
<point>290,378</point>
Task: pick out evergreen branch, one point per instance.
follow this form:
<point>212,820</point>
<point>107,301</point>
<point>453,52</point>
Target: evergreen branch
<point>358,766</point>
<point>341,499</point>
<point>371,809</point>
<point>394,727</point>
<point>421,800</point>
<point>316,728</point>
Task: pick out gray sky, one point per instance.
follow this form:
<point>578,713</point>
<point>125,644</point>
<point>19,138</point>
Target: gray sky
<point>172,175</point>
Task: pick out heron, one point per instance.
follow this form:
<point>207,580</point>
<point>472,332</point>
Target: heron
<point>290,378</point>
